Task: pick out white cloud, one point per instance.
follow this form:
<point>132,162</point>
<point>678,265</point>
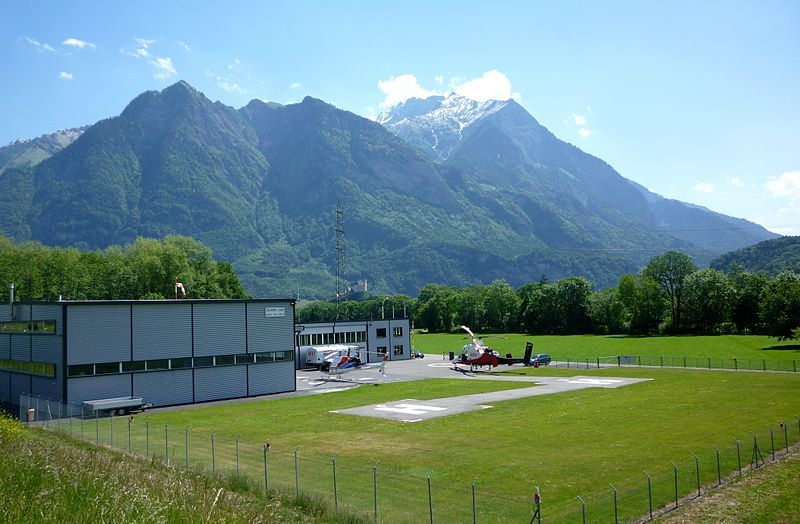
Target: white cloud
<point>37,44</point>
<point>372,114</point>
<point>185,46</point>
<point>235,66</point>
<point>492,85</point>
<point>80,44</point>
<point>585,133</point>
<point>400,88</point>
<point>736,181</point>
<point>295,85</point>
<point>578,119</point>
<point>141,50</point>
<point>231,87</point>
<point>786,186</point>
<point>63,75</point>
<point>164,68</point>
<point>704,187</point>
<point>439,79</point>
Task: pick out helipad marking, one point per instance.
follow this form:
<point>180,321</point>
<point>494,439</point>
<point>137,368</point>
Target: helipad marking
<point>592,381</point>
<point>409,409</point>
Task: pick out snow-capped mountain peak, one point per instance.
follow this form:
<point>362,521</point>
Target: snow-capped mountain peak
<point>438,121</point>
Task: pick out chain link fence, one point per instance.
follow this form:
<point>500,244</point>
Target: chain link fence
<point>384,493</point>
<point>735,364</point>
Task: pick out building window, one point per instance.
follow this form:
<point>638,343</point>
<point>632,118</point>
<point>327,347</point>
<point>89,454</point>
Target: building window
<point>397,332</point>
<point>133,367</point>
<point>244,359</point>
<point>81,370</point>
<point>35,327</point>
<point>180,363</point>
<point>107,368</point>
<point>398,350</point>
<point>380,332</point>
<point>154,365</point>
<point>224,360</point>
<point>382,350</point>
<point>41,369</point>
<point>203,362</point>
<point>361,336</point>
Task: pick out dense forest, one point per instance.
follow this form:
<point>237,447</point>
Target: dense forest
<point>669,295</point>
<point>144,269</point>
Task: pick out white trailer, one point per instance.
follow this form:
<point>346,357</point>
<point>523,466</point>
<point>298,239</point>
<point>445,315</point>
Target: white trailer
<point>118,406</point>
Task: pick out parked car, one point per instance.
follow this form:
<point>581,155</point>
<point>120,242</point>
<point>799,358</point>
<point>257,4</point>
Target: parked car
<point>543,359</point>
<point>416,354</point>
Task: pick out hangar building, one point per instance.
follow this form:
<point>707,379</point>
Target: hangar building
<point>165,351</point>
<point>374,338</point>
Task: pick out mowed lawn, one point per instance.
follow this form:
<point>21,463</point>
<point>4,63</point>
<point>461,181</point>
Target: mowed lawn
<point>569,444</point>
<point>742,347</point>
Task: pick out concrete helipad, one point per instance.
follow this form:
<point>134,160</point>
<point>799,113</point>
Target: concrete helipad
<point>411,410</point>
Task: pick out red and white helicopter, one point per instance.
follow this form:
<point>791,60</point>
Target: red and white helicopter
<point>477,355</point>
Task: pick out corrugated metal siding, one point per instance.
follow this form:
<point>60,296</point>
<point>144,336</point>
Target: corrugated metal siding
<point>219,329</point>
<point>276,377</point>
<point>98,333</point>
<point>94,388</point>
<point>23,312</point>
<point>5,346</point>
<point>5,387</point>
<point>269,333</point>
<point>46,388</point>
<point>19,384</point>
<point>162,331</point>
<point>164,388</point>
<point>48,312</point>
<point>5,312</point>
<point>21,347</point>
<point>222,382</point>
<point>46,348</point>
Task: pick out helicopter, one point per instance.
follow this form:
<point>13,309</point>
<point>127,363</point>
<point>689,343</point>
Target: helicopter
<point>477,355</point>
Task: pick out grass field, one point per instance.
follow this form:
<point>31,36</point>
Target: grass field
<point>569,444</point>
<point>591,346</point>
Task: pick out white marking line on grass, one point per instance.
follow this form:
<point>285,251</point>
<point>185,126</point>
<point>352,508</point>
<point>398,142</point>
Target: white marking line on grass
<point>592,381</point>
<point>409,409</point>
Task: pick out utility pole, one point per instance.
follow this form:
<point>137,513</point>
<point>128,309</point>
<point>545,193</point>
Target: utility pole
<point>338,230</point>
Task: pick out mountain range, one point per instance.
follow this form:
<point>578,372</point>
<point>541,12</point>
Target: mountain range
<point>442,190</point>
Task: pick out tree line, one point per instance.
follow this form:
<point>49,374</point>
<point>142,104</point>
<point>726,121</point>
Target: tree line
<point>669,295</point>
<point>144,269</point>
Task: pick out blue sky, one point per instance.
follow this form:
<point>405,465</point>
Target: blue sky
<point>695,100</point>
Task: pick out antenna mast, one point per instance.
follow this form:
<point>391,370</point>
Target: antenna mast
<point>340,260</point>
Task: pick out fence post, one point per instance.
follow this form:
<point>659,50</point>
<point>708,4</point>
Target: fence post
<point>719,470</point>
<point>166,443</point>
<point>81,415</point>
<point>474,507</point>
<point>237,457</point>
<point>709,362</point>
<point>772,441</point>
<point>335,489</point>
<point>739,455</point>
<point>598,363</point>
<point>266,469</point>
<point>697,470</point>
<point>430,498</point>
<point>619,361</point>
<point>650,493</point>
<point>147,437</point>
<point>662,361</point>
<point>375,489</point>
<point>785,436</point>
<point>756,456</point>
<point>675,470</point>
<point>640,360</point>
<point>129,434</point>
<point>112,429</point>
<point>96,427</point>
<point>735,365</point>
<point>684,362</point>
<point>213,455</point>
<point>59,416</point>
<point>794,365</point>
<point>764,363</point>
<point>583,509</point>
<point>186,448</point>
<point>69,413</point>
<point>616,510</point>
<point>296,473</point>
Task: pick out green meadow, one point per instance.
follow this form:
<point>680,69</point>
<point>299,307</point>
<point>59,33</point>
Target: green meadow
<point>569,444</point>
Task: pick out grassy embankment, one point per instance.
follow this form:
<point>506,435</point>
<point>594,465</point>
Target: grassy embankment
<point>50,478</point>
<point>749,350</point>
<point>569,444</point>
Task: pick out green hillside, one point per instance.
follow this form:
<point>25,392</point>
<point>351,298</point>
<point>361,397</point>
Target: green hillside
<point>772,256</point>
